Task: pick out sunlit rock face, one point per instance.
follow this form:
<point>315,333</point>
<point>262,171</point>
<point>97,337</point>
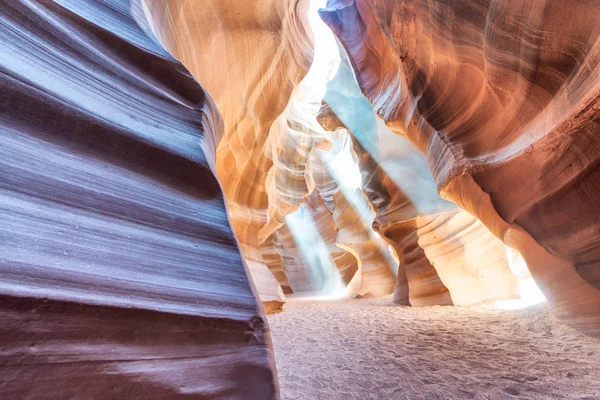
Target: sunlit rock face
<point>249,59</point>
<point>287,209</point>
<point>443,247</point>
<point>119,274</point>
<point>502,97</point>
<point>304,223</point>
<point>446,255</point>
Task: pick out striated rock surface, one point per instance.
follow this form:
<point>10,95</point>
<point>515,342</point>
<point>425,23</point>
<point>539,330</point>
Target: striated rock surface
<point>432,236</point>
<point>338,183</point>
<point>443,246</point>
<point>249,60</point>
<point>258,66</point>
<point>288,181</point>
<point>119,274</point>
<point>502,97</point>
<point>447,255</point>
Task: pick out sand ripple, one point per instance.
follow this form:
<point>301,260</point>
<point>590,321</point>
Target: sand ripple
<point>369,349</point>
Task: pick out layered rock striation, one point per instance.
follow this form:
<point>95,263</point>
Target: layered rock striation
<point>120,276</point>
<point>502,97</point>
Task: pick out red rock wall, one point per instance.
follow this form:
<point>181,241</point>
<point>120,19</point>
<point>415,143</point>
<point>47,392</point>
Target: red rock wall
<point>249,59</point>
<point>120,276</point>
<point>503,99</point>
<point>446,255</point>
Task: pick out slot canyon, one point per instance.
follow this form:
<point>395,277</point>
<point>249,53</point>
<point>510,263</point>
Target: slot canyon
<point>300,199</point>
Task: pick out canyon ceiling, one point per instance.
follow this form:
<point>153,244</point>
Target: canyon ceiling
<point>354,147</point>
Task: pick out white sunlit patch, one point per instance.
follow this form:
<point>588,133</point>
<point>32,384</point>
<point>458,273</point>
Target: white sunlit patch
<point>393,254</point>
<point>529,292</point>
<point>326,59</point>
<point>346,170</point>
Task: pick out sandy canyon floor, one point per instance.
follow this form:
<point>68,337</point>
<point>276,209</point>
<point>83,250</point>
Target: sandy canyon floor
<point>370,349</point>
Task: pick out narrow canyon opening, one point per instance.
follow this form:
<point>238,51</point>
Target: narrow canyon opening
<point>300,199</point>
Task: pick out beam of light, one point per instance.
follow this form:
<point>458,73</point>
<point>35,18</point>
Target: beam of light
<point>394,256</point>
<point>314,250</point>
<point>340,161</point>
<point>397,156</point>
<point>310,92</point>
<point>530,294</point>
<point>296,132</point>
<point>342,165</point>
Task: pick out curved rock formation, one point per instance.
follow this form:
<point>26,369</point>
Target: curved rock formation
<point>443,246</point>
<point>265,158</point>
<point>353,216</point>
<point>116,252</point>
<point>307,245</point>
<point>503,99</point>
<point>249,61</point>
<point>448,256</point>
<point>120,276</point>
